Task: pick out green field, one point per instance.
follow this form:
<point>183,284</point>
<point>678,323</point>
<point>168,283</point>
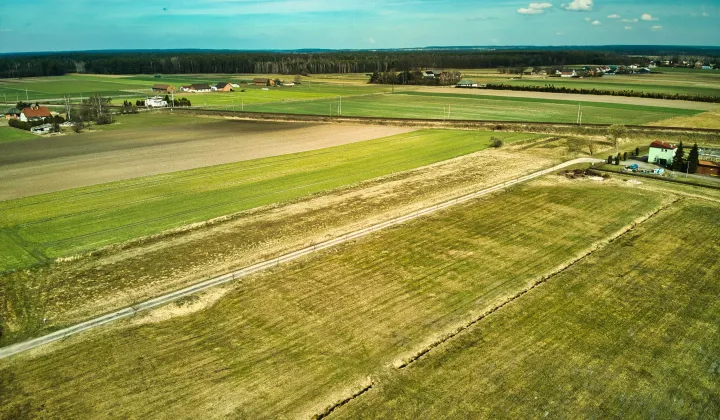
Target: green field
<point>631,332</point>
<point>10,134</point>
<point>477,107</point>
<point>48,226</point>
<point>295,340</point>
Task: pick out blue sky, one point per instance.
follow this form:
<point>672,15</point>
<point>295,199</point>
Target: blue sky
<point>52,25</point>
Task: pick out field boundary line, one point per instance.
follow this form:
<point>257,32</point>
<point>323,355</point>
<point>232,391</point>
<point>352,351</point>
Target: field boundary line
<point>261,266</point>
<point>597,246</point>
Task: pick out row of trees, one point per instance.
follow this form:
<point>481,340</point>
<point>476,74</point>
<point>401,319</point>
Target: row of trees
<point>415,77</point>
<point>55,64</point>
<point>687,164</point>
<point>629,93</point>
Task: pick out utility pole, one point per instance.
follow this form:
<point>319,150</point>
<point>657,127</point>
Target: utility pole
<point>340,107</point>
<point>26,96</point>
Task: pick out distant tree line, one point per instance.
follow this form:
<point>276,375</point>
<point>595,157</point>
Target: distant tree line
<point>173,62</point>
<point>629,93</point>
<point>415,77</point>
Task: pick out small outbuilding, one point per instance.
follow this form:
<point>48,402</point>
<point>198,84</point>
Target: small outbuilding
<point>12,114</point>
<point>706,167</point>
<point>224,87</point>
<point>467,84</point>
<point>162,88</point>
<point>261,81</point>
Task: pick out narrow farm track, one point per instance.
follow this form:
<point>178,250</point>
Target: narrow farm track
<point>230,277</point>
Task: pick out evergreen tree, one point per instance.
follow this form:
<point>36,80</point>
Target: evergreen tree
<point>678,162</point>
<point>693,159</point>
<point>637,151</point>
<point>625,156</point>
<point>617,159</point>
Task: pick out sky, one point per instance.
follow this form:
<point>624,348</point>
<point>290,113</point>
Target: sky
<point>71,25</point>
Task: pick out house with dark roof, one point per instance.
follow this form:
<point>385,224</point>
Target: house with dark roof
<point>163,88</point>
<point>35,113</point>
<point>260,81</point>
<point>223,87</point>
<point>12,114</point>
<point>200,87</point>
<point>661,153</point>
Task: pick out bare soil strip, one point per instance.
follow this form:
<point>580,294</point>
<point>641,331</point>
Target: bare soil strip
<point>230,277</point>
<point>65,162</point>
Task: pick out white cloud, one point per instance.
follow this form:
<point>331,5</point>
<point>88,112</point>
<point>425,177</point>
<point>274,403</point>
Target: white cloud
<point>635,20</point>
<point>596,22</point>
<point>628,28</point>
<point>614,16</point>
<point>579,6</point>
<point>656,28</point>
<point>372,40</point>
<point>705,14</point>
<point>535,9</point>
<point>587,19</point>
<point>648,17</point>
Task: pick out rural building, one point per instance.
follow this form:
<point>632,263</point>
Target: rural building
<point>528,71</point>
<point>567,73</point>
<point>288,84</point>
<point>430,74</point>
<point>156,102</point>
<point>706,167</point>
<point>163,88</point>
<point>467,84</point>
<point>224,87</point>
<point>200,87</point>
<point>35,113</point>
<point>661,153</point>
<point>259,81</point>
<point>12,114</point>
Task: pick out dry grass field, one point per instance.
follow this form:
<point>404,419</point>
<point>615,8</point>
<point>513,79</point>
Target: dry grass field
<point>293,341</point>
<point>710,119</point>
<point>72,291</point>
<point>146,145</point>
<point>631,332</point>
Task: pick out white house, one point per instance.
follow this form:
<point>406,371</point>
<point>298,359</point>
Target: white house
<point>572,73</point>
<point>661,153</point>
<point>35,113</point>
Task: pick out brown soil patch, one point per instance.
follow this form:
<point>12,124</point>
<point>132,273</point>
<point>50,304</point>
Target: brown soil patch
<point>54,164</point>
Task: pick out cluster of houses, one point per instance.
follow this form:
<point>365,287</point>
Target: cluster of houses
<point>217,87</point>
<point>662,153</point>
<point>702,65</point>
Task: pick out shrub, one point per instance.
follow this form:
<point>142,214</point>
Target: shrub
<point>496,142</point>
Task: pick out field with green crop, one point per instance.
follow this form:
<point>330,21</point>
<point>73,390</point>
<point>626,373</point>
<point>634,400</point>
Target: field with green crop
<point>48,226</point>
<point>9,134</point>
<point>631,332</point>
<point>476,107</point>
<point>299,338</point>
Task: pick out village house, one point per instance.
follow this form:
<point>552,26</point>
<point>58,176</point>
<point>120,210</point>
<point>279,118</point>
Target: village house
<point>161,88</point>
<point>199,87</point>
<point>430,74</point>
<point>12,114</point>
<point>661,153</point>
<point>467,84</point>
<point>223,87</point>
<point>568,73</point>
<point>35,113</point>
<point>260,81</point>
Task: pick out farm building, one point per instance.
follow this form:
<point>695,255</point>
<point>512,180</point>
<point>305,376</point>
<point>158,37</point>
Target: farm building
<point>163,88</point>
<point>35,113</point>
<point>467,84</point>
<point>430,74</point>
<point>201,87</point>
<point>661,152</point>
<point>259,81</point>
<point>567,73</point>
<point>706,167</point>
<point>223,87</point>
<point>12,114</point>
<point>288,84</point>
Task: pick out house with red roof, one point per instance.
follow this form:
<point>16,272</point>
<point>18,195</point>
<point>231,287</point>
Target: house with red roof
<point>35,113</point>
<point>661,153</point>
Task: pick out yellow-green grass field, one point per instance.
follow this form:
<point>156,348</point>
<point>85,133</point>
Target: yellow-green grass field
<point>631,332</point>
<point>38,228</point>
<point>476,107</point>
<point>10,134</point>
<point>293,341</point>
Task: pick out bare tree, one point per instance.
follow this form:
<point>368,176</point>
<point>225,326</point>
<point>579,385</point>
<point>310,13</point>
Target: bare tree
<point>615,133</point>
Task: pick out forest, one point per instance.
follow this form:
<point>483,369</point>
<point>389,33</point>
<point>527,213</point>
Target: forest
<point>206,62</point>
